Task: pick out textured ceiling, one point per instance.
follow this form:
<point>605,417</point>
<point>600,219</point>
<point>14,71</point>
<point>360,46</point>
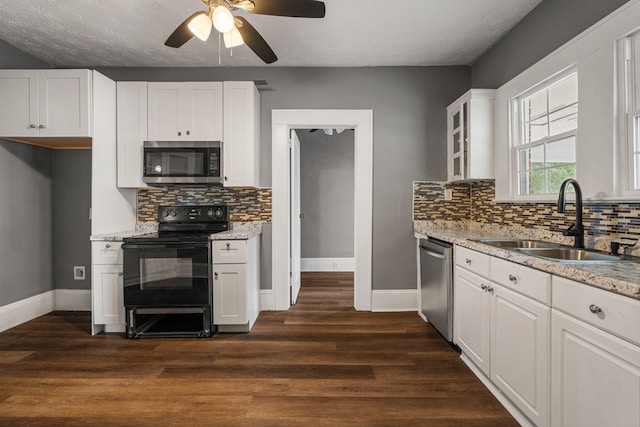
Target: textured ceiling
<point>91,33</point>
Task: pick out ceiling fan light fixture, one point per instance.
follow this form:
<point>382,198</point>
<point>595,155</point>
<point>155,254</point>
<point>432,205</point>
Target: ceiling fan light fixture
<point>200,26</point>
<point>223,19</point>
<point>233,38</point>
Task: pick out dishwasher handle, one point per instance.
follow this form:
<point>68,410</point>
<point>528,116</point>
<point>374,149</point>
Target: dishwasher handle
<point>433,254</point>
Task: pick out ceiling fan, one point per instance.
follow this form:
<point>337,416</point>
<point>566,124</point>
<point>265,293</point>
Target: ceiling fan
<point>236,29</point>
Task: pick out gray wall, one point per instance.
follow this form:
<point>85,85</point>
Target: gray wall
<point>409,134</point>
<point>71,224</point>
<point>550,25</point>
<point>326,194</point>
<point>25,229</point>
<point>25,192</point>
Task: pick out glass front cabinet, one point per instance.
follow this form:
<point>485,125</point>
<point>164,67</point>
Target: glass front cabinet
<point>470,136</point>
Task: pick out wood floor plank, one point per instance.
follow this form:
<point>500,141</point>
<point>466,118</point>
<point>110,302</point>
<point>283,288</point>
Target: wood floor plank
<point>319,364</point>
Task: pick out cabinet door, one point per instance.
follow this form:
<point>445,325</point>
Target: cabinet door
<point>520,336</point>
<point>131,132</point>
<point>166,112</point>
<point>19,106</point>
<point>595,377</point>
<point>108,302</point>
<point>203,111</point>
<point>455,126</point>
<point>241,139</point>
<point>229,294</point>
<point>472,316</point>
<point>64,99</point>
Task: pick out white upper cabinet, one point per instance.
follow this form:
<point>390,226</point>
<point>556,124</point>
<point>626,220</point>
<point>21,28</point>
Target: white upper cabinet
<point>241,146</point>
<point>470,134</point>
<point>188,111</point>
<point>45,103</point>
<point>131,132</point>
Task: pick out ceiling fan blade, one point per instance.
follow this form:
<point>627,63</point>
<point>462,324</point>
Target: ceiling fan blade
<point>294,8</point>
<point>254,40</point>
<point>182,34</point>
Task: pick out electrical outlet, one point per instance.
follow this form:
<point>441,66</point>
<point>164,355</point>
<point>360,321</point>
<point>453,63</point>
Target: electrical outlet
<point>78,272</point>
<point>448,194</point>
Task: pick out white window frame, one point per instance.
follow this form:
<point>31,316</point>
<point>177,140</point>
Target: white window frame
<point>516,134</point>
<point>629,108</point>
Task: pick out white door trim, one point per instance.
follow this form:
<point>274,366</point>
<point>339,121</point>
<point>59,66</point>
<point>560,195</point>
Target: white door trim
<point>362,122</point>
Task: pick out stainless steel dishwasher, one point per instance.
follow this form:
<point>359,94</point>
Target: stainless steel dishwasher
<point>436,285</point>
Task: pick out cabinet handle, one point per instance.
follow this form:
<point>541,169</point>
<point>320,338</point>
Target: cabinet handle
<point>107,246</point>
<point>228,244</point>
<point>226,179</point>
<point>483,287</point>
<point>513,278</point>
<point>489,289</point>
<point>179,133</point>
<point>468,261</point>
<point>188,132</point>
<point>215,275</point>
<point>120,273</point>
<point>41,127</point>
<point>595,309</point>
<point>32,126</point>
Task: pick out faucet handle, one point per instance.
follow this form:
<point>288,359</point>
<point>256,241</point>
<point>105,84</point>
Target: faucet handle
<point>571,231</point>
<point>624,243</point>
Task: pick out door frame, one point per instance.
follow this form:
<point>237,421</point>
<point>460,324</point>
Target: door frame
<point>282,122</point>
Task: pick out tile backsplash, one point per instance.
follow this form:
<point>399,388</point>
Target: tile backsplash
<point>474,202</point>
<point>245,204</point>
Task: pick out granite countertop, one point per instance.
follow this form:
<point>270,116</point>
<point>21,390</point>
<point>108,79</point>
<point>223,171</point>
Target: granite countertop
<point>619,277</point>
<point>239,231</point>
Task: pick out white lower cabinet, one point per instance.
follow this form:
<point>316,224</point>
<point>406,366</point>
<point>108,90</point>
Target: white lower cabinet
<point>520,352</point>
<point>504,333</point>
<point>595,375</point>
<point>107,292</point>
<point>236,284</point>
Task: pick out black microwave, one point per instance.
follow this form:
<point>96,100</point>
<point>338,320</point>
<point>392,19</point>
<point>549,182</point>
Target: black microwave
<point>182,163</point>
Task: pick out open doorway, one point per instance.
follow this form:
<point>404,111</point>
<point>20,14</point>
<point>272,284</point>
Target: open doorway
<point>322,163</point>
<point>283,121</point>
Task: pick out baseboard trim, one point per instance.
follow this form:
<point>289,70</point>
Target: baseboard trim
<point>267,302</point>
<point>30,308</point>
<point>394,300</point>
<point>72,299</point>
<point>27,309</point>
<point>327,264</point>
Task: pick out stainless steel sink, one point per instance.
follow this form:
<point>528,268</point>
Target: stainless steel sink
<point>569,254</point>
<point>518,243</point>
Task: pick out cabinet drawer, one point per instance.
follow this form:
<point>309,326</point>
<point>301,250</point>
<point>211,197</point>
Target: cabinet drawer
<point>472,260</point>
<point>603,309</point>
<point>106,252</point>
<point>527,281</point>
<point>229,251</point>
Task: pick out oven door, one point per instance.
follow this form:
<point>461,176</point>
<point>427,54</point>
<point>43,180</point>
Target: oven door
<point>166,274</point>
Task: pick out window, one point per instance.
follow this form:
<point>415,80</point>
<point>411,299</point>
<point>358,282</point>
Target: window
<point>631,100</point>
<point>544,135</point>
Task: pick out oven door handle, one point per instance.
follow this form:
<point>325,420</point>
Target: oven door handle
<point>176,245</point>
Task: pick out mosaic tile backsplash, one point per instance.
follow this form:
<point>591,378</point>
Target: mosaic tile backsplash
<point>474,201</point>
<point>245,204</point>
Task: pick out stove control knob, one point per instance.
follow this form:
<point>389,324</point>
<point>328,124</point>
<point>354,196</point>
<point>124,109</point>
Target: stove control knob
<point>210,212</point>
<point>219,213</point>
<point>165,214</point>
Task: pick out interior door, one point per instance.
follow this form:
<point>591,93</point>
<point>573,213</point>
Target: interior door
<point>294,154</point>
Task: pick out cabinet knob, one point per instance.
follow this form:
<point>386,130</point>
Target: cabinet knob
<point>512,278</point>
<point>41,127</point>
<point>107,246</point>
<point>226,179</point>
<point>489,289</point>
<point>595,309</point>
<point>483,287</point>
<point>179,133</point>
<point>120,273</point>
<point>32,126</point>
<point>468,261</point>
<point>215,275</point>
<point>188,132</point>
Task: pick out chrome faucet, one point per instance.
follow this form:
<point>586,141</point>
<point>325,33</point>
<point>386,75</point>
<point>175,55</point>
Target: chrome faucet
<point>576,229</point>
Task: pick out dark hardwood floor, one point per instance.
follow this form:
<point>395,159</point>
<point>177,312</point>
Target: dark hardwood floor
<point>319,364</point>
